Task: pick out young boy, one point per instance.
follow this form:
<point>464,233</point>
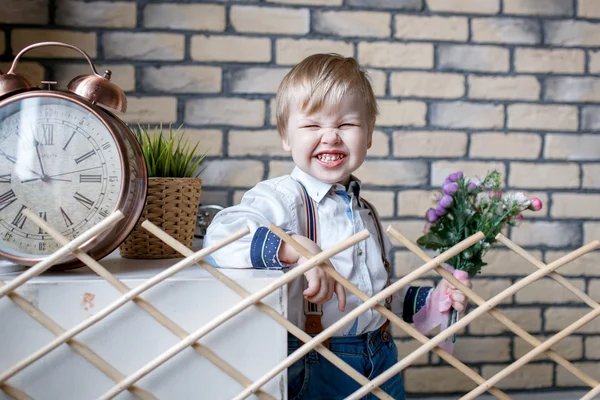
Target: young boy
<point>326,112</point>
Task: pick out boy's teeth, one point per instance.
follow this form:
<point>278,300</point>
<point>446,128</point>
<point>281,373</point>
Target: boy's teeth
<point>330,157</point>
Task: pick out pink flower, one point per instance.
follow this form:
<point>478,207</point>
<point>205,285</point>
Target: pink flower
<point>450,188</point>
<point>518,219</point>
<point>431,215</point>
<point>536,204</point>
<point>496,193</point>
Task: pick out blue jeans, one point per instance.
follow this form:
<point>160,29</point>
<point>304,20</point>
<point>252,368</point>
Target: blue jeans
<point>314,378</point>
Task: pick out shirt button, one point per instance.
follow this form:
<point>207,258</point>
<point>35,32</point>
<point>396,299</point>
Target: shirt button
<point>360,252</point>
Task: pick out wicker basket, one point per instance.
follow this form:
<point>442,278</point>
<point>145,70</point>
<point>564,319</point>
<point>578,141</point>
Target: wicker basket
<point>172,205</point>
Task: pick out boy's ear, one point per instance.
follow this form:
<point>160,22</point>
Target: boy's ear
<point>285,142</point>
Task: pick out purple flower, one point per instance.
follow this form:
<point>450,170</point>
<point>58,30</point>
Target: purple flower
<point>431,215</point>
<point>439,210</point>
<point>445,201</point>
<point>472,186</point>
<point>450,188</point>
<point>455,176</point>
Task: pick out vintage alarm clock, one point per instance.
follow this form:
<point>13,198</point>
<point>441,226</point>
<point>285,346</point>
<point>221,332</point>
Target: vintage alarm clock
<point>67,159</point>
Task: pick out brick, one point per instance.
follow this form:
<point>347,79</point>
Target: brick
<point>465,6</point>
<point>592,347</point>
<point>447,379</point>
<point>269,20</point>
<point>570,347</point>
<point>504,87</point>
<point>473,58</point>
<point>571,205</point>
<point>427,84</point>
<point>441,169</point>
<point>528,175</point>
<point>309,2</point>
<point>594,289</point>
<point>219,197</point>
<point>272,112</point>
<point>505,145</point>
<point>278,168</point>
<point>232,173</point>
<point>383,201</point>
<point>588,9</point>
<point>378,80</point>
<point>210,141</point>
<point>581,90</point>
<point>586,265</point>
<point>150,110</point>
<point>122,75</point>
<point>292,51</point>
<point>143,46</point>
<point>257,80</point>
<point>255,143</point>
<point>460,114</point>
<point>401,113</point>
<point>529,376</point>
<point>529,319</point>
<point>591,176</point>
<point>482,349</point>
<point>230,49</point>
<point>182,79</point>
<point>34,12</point>
<point>538,7</point>
<point>488,288</point>
<point>237,196</point>
<point>548,291</point>
<point>380,145</point>
<point>405,261</point>
<point>407,173</point>
<point>590,118</point>
<point>204,17</point>
<point>567,379</point>
<point>551,234</point>
<point>558,318</point>
<point>352,23</point>
<point>408,346</point>
<point>32,70</point>
<point>430,144</point>
<point>572,33</point>
<point>414,5</point>
<point>545,117</point>
<point>504,262</point>
<point>572,147</point>
<point>451,29</point>
<point>555,61</point>
<point>225,111</point>
<point>21,38</point>
<point>506,30</point>
<point>594,64</point>
<point>414,203</point>
<point>97,14</point>
<point>591,231</point>
<point>391,55</point>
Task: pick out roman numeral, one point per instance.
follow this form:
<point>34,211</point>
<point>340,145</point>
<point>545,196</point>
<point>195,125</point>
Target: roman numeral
<point>90,178</point>
<point>6,199</point>
<point>42,216</point>
<point>103,212</point>
<point>20,219</point>
<point>5,178</point>
<point>69,141</point>
<point>47,135</point>
<point>87,203</point>
<point>66,218</point>
<point>105,146</point>
<point>85,156</point>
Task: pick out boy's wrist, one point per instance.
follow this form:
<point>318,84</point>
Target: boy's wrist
<point>287,254</point>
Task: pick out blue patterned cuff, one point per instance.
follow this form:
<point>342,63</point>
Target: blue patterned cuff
<point>415,299</point>
<point>264,249</point>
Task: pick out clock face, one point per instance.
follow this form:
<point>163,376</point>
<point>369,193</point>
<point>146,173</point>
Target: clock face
<point>60,161</point>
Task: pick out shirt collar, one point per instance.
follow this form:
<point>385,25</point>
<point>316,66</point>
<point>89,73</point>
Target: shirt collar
<point>317,189</point>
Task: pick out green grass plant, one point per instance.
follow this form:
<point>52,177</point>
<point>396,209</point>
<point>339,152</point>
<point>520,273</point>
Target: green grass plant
<point>168,155</point>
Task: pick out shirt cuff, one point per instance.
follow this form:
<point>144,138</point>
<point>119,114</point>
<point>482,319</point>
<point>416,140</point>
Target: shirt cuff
<point>264,249</point>
<point>415,299</point>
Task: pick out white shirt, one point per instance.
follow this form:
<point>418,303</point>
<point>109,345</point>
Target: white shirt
<point>340,214</point>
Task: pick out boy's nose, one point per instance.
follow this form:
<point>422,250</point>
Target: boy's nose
<point>330,136</point>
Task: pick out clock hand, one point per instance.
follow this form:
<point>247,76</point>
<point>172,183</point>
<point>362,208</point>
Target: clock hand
<point>45,177</point>
<point>14,161</point>
<point>73,172</point>
<point>39,157</point>
<point>52,177</point>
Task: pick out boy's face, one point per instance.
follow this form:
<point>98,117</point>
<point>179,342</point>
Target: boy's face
<point>331,143</point>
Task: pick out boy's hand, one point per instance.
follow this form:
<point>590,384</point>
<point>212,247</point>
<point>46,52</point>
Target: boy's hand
<point>321,286</point>
<point>457,299</point>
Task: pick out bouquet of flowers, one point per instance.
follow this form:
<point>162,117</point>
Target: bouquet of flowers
<point>466,206</point>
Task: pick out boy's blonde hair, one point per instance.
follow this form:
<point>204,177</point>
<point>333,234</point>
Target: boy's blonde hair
<point>324,77</point>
